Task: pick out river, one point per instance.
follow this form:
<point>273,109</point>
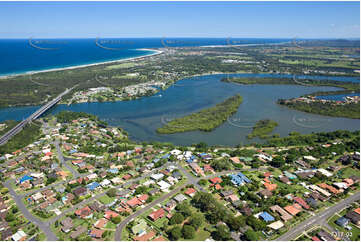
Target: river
<point>141,117</point>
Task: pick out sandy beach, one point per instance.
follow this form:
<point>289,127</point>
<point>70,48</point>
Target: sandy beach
<point>156,52</point>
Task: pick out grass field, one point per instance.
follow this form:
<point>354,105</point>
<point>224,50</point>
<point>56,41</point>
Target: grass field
<point>120,66</point>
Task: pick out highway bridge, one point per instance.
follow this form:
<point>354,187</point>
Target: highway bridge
<point>32,117</point>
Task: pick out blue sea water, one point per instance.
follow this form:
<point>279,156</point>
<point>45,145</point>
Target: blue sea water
<point>25,55</point>
<point>338,97</point>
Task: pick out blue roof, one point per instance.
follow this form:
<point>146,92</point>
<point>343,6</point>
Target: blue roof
<point>244,177</point>
<point>239,179</point>
<point>93,185</point>
<point>267,217</point>
<point>73,151</point>
<point>166,156</point>
<point>113,170</point>
<point>290,175</point>
<point>25,178</point>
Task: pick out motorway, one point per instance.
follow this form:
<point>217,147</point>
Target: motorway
<point>8,135</point>
<point>319,219</point>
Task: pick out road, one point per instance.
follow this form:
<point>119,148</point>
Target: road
<point>51,185</point>
<point>86,201</point>
<point>63,162</point>
<point>15,130</point>
<point>191,180</point>
<point>120,227</point>
<point>319,219</point>
<point>42,226</point>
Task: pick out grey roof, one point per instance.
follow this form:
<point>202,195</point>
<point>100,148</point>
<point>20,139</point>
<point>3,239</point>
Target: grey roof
<point>342,221</point>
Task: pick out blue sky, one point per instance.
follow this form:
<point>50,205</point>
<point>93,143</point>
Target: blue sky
<point>180,19</point>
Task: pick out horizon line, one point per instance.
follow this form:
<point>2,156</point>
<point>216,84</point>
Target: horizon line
<point>310,38</point>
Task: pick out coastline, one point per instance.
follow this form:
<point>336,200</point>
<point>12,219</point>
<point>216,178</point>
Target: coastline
<point>155,52</point>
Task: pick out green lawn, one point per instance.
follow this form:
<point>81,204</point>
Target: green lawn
<point>347,172</point>
<point>201,235</point>
<point>106,199</point>
<point>354,232</point>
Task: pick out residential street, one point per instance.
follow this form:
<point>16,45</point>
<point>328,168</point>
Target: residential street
<point>319,219</point>
<point>42,226</point>
<point>63,162</point>
<point>86,201</point>
<point>120,227</point>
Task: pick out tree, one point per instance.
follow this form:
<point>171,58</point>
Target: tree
<point>196,220</point>
<point>277,161</point>
<point>116,219</point>
<point>236,222</point>
<point>9,217</point>
<point>255,223</point>
<point>112,192</point>
<point>188,232</point>
<point>175,233</point>
<point>251,235</point>
<point>14,210</point>
<point>184,209</point>
<point>140,189</point>
<point>202,182</point>
<point>221,164</point>
<point>222,233</point>
<point>177,218</point>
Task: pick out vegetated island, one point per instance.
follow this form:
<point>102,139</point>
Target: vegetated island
<point>349,108</point>
<point>204,120</point>
<point>262,129</point>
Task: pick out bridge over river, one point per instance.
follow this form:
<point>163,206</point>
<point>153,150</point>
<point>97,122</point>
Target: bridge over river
<point>15,130</point>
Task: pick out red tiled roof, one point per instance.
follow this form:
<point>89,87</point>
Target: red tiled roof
<point>330,188</point>
<point>315,238</point>
<point>208,167</point>
<point>83,212</point>
<point>270,187</point>
<point>292,210</point>
<point>160,238</point>
<point>110,214</point>
<point>357,210</point>
<point>143,198</point>
<point>157,214</point>
<point>190,191</point>
<point>126,177</point>
<point>134,202</point>
<point>267,174</point>
<point>302,202</point>
<point>216,180</point>
<point>100,223</point>
<point>145,237</point>
<point>235,160</point>
<point>97,233</point>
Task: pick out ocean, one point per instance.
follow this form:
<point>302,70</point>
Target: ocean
<point>25,55</point>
